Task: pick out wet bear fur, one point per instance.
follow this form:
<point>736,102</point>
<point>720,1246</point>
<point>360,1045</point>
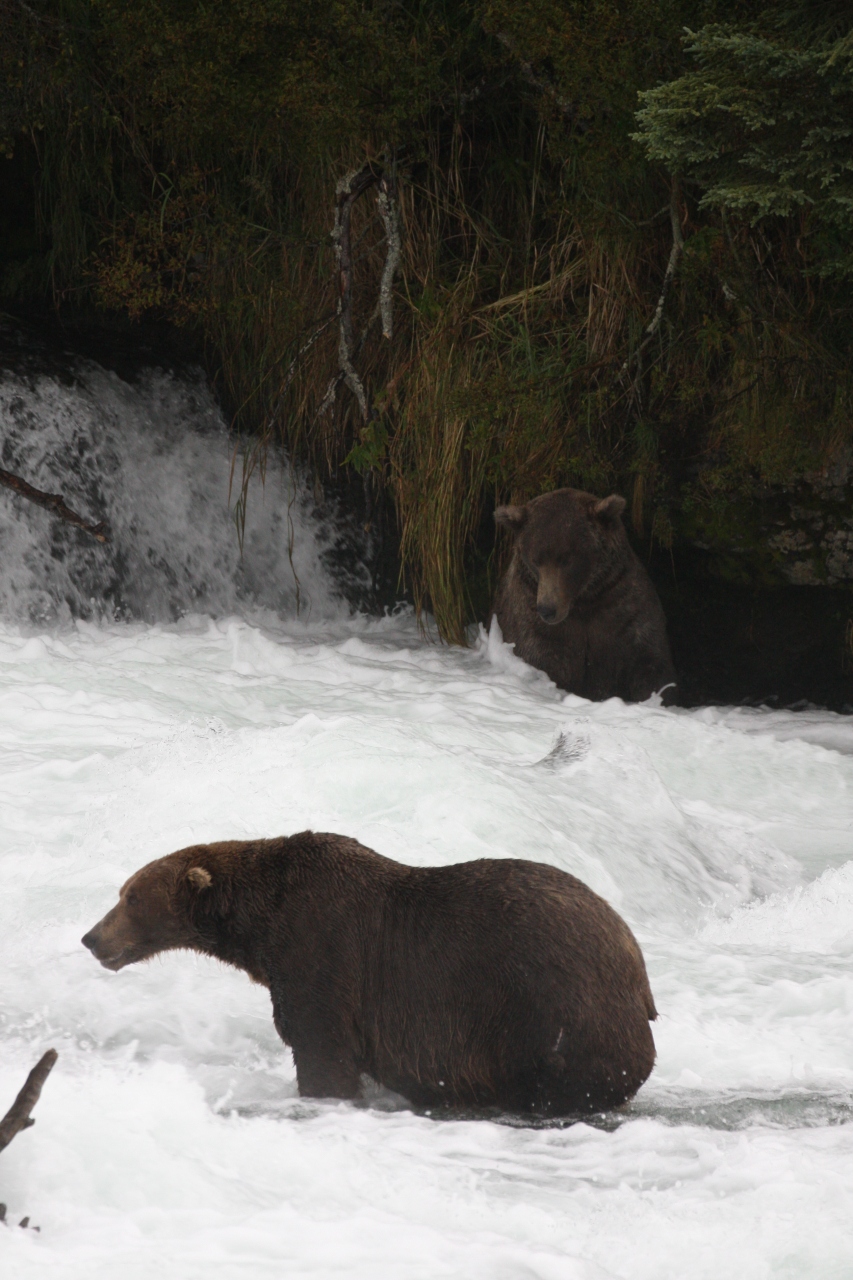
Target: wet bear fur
<point>576,602</point>
<point>489,984</point>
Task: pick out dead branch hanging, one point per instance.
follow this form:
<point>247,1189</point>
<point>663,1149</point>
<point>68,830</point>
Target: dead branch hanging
<point>386,198</point>
<point>53,502</point>
<point>566,108</point>
<point>669,275</point>
<point>18,1116</point>
<point>348,190</point>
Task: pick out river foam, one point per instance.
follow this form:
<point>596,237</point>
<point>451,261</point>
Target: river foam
<point>170,1137</point>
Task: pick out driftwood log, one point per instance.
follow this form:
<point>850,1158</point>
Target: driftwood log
<point>52,502</point>
<point>18,1116</point>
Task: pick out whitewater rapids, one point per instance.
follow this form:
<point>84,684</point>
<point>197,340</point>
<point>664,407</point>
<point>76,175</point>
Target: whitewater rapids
<point>170,1139</point>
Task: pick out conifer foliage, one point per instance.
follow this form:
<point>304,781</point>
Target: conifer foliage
<point>764,122</point>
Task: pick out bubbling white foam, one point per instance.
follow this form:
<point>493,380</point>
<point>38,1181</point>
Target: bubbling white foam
<point>153,458</point>
<point>171,1140</point>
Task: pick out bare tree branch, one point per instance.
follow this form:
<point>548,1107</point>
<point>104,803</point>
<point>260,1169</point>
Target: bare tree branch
<point>337,378</point>
<point>674,258</point>
<point>386,198</point>
<point>18,1116</point>
<point>567,108</point>
<point>669,275</point>
<point>348,190</point>
<point>52,502</point>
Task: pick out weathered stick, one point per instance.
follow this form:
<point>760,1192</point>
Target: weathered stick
<point>669,275</point>
<point>52,502</point>
<point>671,266</point>
<point>567,108</point>
<point>18,1116</point>
<point>386,198</point>
<point>348,190</point>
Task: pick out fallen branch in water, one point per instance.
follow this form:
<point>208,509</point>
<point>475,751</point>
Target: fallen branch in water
<point>52,502</point>
<point>18,1116</point>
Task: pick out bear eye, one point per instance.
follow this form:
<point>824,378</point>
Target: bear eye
<point>131,898</point>
<point>528,572</point>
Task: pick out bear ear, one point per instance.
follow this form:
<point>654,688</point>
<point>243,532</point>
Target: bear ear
<point>514,518</point>
<point>199,877</point>
<point>609,509</point>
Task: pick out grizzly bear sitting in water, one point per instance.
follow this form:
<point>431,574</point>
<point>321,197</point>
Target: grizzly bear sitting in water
<point>493,983</point>
<point>576,602</point>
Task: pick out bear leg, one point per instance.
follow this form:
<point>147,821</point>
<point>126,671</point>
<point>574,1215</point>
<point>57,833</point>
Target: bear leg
<point>329,1074</point>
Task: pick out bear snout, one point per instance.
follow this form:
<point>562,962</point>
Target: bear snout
<point>111,954</point>
<point>553,607</point>
<point>553,597</point>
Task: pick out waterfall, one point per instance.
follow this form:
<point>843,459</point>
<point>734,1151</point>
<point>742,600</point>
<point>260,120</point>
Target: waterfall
<point>152,456</point>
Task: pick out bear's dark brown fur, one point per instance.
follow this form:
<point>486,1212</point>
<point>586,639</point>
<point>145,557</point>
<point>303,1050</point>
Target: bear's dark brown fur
<point>576,602</point>
<point>494,983</point>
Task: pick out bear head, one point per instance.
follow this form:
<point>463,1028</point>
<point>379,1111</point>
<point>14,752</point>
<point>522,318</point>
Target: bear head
<point>156,911</point>
<point>566,544</point>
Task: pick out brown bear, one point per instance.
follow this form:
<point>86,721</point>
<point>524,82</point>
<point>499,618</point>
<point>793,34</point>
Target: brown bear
<point>576,602</point>
<point>489,984</point>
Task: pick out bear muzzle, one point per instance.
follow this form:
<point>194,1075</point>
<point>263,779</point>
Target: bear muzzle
<point>552,612</point>
<point>553,601</point>
<point>111,955</point>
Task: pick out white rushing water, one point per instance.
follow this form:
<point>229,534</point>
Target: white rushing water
<point>138,714</point>
<point>170,1139</point>
<point>153,458</point>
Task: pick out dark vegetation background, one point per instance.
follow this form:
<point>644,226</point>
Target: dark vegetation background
<point>626,260</point>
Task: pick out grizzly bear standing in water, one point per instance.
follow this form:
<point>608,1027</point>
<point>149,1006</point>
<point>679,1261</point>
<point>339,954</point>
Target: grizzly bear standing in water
<point>487,984</point>
<point>576,602</point>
